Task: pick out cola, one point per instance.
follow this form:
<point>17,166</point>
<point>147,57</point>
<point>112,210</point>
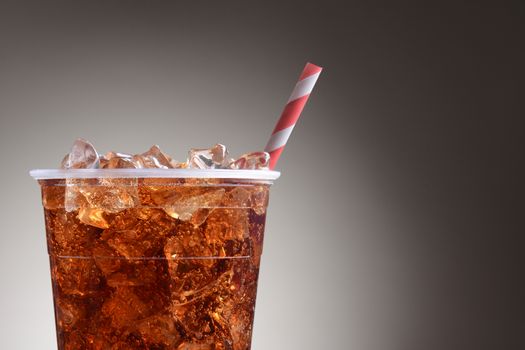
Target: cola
<point>154,263</point>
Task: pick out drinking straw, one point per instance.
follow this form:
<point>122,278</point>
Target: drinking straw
<point>292,112</point>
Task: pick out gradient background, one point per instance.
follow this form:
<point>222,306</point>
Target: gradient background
<point>398,222</point>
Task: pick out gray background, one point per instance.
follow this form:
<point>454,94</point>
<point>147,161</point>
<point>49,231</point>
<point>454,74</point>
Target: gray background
<point>398,220</point>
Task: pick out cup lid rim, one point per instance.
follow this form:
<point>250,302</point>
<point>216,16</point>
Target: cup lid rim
<point>248,174</point>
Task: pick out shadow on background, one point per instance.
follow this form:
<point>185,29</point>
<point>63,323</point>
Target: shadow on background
<point>398,220</point>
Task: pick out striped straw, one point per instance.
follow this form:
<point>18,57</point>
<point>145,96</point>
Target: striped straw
<point>291,112</point>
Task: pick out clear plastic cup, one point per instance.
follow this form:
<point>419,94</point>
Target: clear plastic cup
<point>154,258</point>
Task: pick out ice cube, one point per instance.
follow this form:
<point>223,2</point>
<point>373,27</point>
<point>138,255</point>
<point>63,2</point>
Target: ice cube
<point>134,275</point>
<point>146,273</point>
<point>123,308</point>
<point>200,316</point>
<point>254,197</point>
<point>72,197</point>
<point>53,195</point>
<point>78,277</point>
<point>82,156</point>
<point>241,327</point>
<point>68,313</point>
<point>208,158</point>
<point>253,160</point>
<point>111,195</point>
<point>106,258</point>
<point>186,245</point>
<point>145,238</point>
<point>179,165</point>
<point>153,158</point>
<point>114,160</point>
<point>68,236</point>
<point>237,197</point>
<point>259,199</point>
<point>93,217</point>
<point>193,265</point>
<point>227,224</point>
<point>128,243</point>
<point>238,309</point>
<point>95,198</point>
<point>159,330</point>
<point>188,204</point>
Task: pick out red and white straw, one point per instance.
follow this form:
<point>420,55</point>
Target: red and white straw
<point>291,112</point>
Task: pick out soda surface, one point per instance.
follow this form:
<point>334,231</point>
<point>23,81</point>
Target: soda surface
<point>154,263</point>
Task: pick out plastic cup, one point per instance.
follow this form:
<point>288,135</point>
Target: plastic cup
<point>154,258</point>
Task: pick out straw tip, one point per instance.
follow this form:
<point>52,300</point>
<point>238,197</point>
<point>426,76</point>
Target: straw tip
<point>310,69</point>
<point>309,64</point>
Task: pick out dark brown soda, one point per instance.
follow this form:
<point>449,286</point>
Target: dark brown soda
<point>154,263</point>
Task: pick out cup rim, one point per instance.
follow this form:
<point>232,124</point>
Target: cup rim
<point>245,174</point>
